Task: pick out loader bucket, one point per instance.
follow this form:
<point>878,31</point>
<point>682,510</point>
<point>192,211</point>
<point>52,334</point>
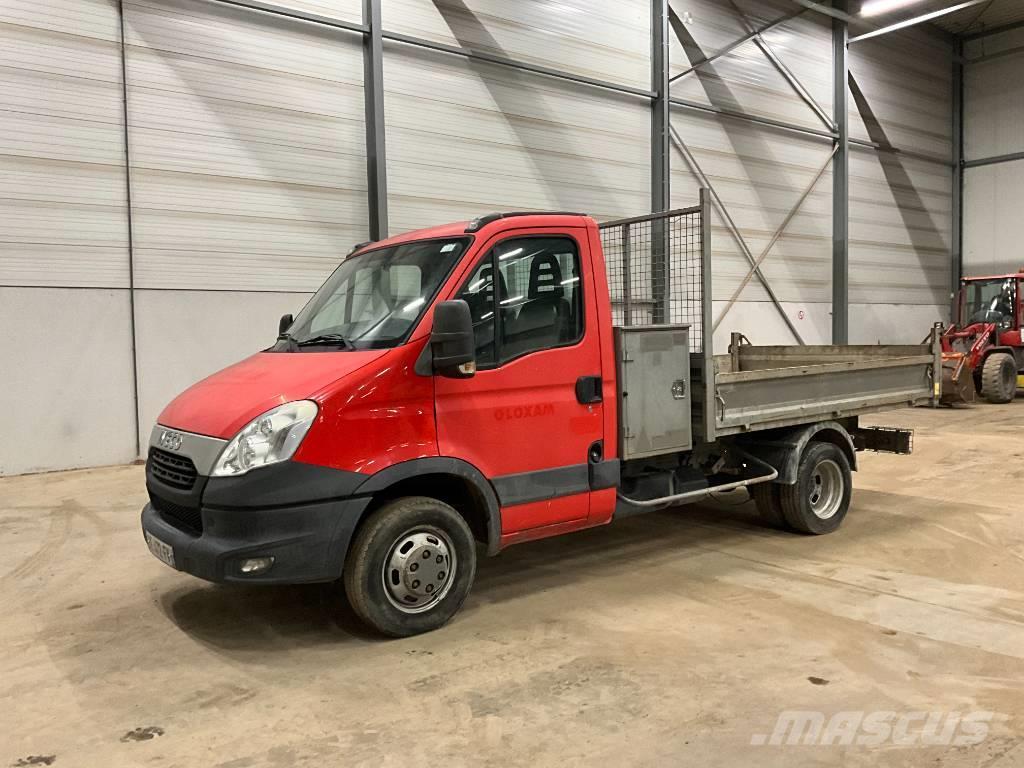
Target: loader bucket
<point>957,379</point>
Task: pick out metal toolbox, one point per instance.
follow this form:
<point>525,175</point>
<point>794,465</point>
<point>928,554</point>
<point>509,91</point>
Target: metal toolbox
<point>653,366</point>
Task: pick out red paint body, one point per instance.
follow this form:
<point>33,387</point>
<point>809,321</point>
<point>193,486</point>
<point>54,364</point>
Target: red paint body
<point>376,411</point>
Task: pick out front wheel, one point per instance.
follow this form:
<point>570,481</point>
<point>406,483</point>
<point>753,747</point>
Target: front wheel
<point>410,567</point>
<point>820,498</point>
<point>999,378</point>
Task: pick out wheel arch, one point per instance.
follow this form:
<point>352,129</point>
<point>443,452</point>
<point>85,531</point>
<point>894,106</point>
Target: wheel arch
<point>453,481</point>
<point>996,350</point>
<point>783,449</point>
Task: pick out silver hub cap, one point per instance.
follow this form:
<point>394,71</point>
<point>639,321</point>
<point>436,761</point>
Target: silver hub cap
<point>419,570</point>
<point>826,492</point>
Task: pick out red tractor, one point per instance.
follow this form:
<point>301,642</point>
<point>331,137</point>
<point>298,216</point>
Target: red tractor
<point>982,350</point>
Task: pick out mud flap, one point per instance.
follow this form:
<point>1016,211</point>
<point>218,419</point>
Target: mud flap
<point>884,439</point>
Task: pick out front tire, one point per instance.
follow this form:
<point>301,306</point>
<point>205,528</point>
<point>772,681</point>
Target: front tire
<point>999,378</point>
<point>820,498</point>
<point>410,567</point>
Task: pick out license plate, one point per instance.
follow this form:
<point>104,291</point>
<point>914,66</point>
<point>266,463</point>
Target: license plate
<point>160,550</point>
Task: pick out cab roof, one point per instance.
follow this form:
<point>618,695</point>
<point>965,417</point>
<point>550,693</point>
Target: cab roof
<point>490,222</point>
<point>981,278</point>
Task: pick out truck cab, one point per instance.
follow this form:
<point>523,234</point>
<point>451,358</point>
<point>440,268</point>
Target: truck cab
<point>469,386</point>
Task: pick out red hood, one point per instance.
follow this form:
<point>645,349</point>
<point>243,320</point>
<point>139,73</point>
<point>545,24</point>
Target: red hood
<point>223,403</point>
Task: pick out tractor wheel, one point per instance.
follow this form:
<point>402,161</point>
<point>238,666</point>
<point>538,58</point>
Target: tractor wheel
<point>999,378</point>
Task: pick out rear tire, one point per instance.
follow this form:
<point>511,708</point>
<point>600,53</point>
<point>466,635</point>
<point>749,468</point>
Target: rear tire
<point>818,501</point>
<point>769,504</point>
<point>410,566</point>
<point>999,378</point>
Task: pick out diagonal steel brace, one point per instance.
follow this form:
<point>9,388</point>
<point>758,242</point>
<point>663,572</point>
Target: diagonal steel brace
<point>774,239</point>
<point>733,229</point>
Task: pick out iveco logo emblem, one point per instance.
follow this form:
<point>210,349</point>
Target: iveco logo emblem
<point>170,440</point>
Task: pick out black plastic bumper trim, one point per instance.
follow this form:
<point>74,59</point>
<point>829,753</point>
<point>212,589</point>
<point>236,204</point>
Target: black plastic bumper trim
<point>604,474</point>
<point>308,542</point>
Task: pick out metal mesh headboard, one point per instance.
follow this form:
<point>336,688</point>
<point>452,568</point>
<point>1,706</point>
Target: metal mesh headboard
<point>657,270</point>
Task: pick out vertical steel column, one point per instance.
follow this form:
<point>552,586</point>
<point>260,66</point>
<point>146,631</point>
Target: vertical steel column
<point>131,232</point>
<point>627,278</point>
<point>660,199</point>
<point>373,89</point>
<point>957,237</point>
<point>660,183</point>
<point>707,341</point>
<point>840,182</point>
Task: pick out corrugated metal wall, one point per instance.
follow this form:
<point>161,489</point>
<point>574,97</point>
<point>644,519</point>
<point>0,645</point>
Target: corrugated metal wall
<point>900,206</point>
<point>758,172</point>
<point>466,137</point>
<point>65,350</point>
<point>993,127</point>
<point>248,174</point>
<point>248,179</point>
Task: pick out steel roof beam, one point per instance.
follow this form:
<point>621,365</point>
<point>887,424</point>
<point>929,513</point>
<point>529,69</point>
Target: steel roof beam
<point>992,31</point>
<point>913,22</point>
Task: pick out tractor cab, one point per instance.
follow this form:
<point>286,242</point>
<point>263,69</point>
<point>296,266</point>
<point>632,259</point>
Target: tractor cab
<point>991,300</point>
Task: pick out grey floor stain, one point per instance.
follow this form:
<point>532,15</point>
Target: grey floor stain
<point>143,734</point>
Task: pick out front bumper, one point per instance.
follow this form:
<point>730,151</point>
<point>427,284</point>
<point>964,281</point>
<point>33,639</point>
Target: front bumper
<point>308,542</point>
<point>301,515</point>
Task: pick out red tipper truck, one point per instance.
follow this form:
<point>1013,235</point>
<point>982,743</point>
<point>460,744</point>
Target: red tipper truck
<point>488,383</point>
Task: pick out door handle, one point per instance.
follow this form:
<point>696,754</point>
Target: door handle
<point>588,390</point>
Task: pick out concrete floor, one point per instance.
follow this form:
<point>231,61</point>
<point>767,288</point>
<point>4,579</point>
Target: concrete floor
<point>670,639</point>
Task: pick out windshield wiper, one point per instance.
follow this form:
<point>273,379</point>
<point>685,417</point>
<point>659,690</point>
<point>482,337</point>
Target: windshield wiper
<point>326,339</point>
<point>289,340</point>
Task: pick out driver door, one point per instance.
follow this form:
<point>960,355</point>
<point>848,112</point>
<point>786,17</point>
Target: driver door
<point>519,420</point>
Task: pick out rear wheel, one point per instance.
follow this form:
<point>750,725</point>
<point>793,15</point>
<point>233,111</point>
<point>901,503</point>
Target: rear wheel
<point>769,505</point>
<point>820,498</point>
<point>410,567</point>
<point>999,378</point>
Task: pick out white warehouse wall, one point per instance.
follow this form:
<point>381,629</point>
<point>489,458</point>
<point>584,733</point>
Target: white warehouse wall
<point>994,126</point>
<point>246,148</point>
<point>248,180</point>
<point>758,172</point>
<point>466,138</point>
<point>65,351</point>
<point>901,207</point>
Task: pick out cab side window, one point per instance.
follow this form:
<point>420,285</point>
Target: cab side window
<point>538,303</point>
<point>478,292</point>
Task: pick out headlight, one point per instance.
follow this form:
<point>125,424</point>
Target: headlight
<point>267,439</point>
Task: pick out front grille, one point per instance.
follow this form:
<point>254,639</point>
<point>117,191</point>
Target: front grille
<point>170,469</point>
<point>185,518</point>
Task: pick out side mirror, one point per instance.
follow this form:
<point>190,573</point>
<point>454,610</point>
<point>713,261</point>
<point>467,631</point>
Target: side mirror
<point>284,324</point>
<point>451,342</point>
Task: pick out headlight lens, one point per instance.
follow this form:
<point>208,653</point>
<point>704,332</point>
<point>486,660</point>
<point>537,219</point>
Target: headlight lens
<point>267,439</point>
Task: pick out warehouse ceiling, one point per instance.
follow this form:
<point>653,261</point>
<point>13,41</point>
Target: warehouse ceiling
<point>978,18</point>
<point>974,17</point>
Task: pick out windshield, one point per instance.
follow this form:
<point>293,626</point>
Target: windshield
<point>990,301</point>
<point>374,299</point>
